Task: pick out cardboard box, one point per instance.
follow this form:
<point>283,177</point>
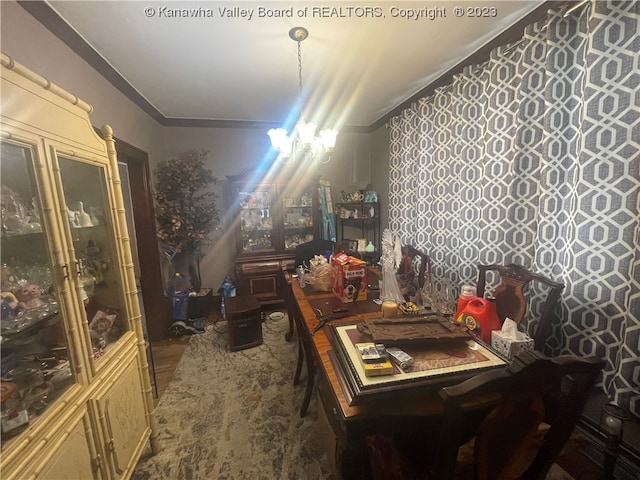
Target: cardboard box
<point>348,278</point>
<point>378,369</point>
<point>510,347</point>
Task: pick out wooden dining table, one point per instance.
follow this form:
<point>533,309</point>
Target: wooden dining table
<point>404,410</point>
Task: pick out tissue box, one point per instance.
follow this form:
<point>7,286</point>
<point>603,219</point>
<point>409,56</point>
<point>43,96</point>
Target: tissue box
<point>348,278</point>
<point>510,347</point>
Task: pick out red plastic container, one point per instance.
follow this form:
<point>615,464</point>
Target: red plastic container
<point>480,316</point>
<point>467,294</point>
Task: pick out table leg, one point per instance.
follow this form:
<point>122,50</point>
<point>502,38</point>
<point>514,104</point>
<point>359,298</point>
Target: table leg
<point>309,388</point>
<point>296,377</point>
<point>289,335</point>
<point>287,295</point>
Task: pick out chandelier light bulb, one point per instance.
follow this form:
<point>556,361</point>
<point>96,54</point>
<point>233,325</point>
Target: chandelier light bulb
<point>307,133</point>
<point>328,137</point>
<point>278,137</point>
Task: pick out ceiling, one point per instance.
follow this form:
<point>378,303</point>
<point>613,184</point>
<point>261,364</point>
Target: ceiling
<point>358,63</point>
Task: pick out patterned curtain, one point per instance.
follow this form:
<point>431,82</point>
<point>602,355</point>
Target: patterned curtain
<point>534,158</point>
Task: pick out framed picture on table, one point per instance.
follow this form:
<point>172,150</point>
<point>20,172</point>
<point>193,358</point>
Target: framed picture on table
<point>435,364</point>
<point>352,245</point>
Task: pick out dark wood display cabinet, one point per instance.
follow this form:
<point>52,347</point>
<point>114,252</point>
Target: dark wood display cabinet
<point>271,218</point>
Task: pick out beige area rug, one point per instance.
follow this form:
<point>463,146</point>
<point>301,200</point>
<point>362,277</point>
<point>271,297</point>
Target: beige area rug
<point>234,415</point>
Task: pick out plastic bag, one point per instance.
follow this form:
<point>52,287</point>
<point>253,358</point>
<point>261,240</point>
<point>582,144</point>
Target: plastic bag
<point>320,274</point>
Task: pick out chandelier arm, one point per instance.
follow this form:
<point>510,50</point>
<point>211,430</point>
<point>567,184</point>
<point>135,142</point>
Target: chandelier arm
<point>324,158</point>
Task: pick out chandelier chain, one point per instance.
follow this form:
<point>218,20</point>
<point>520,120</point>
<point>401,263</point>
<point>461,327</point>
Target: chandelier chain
<point>300,67</point>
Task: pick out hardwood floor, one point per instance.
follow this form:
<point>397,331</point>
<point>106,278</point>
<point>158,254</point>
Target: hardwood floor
<point>166,355</point>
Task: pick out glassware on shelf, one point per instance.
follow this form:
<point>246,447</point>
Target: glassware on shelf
<point>87,281</point>
<point>8,278</point>
<point>39,274</point>
<point>17,217</point>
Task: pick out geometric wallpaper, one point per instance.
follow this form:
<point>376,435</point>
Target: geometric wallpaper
<point>534,158</point>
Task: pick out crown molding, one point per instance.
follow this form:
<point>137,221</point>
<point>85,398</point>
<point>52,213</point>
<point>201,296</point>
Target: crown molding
<point>49,18</point>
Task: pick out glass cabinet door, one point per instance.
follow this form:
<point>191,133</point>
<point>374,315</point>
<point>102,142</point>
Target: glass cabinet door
<point>35,360</point>
<point>87,206</point>
<point>298,219</point>
<point>256,221</point>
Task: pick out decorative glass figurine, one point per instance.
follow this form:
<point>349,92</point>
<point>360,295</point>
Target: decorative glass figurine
<point>391,258</point>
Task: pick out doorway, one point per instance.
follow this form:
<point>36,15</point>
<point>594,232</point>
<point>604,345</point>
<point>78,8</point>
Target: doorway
<point>155,307</point>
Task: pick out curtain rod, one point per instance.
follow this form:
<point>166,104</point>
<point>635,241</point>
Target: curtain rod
<point>565,14</point>
<point>574,7</point>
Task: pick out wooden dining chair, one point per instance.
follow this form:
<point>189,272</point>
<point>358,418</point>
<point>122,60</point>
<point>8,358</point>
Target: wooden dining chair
<point>511,301</point>
<point>412,271</point>
<point>304,253</point>
<point>525,413</point>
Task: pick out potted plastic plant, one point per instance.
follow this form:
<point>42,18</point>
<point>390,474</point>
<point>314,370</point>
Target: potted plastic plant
<point>186,208</point>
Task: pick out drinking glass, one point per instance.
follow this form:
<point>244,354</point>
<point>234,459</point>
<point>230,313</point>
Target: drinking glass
<point>444,301</point>
<point>301,279</point>
<point>427,294</point>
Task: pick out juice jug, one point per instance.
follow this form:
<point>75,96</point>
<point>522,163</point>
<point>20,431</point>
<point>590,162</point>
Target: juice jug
<point>467,293</point>
<point>480,317</point>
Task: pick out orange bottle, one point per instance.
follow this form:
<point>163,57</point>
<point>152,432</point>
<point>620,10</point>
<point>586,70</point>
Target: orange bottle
<point>480,316</point>
<point>467,293</point>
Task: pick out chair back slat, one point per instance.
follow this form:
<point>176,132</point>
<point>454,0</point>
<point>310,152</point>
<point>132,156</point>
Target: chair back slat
<point>516,283</point>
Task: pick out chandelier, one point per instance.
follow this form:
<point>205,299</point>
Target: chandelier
<point>303,139</point>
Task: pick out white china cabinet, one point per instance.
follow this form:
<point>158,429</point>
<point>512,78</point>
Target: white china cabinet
<point>75,389</point>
